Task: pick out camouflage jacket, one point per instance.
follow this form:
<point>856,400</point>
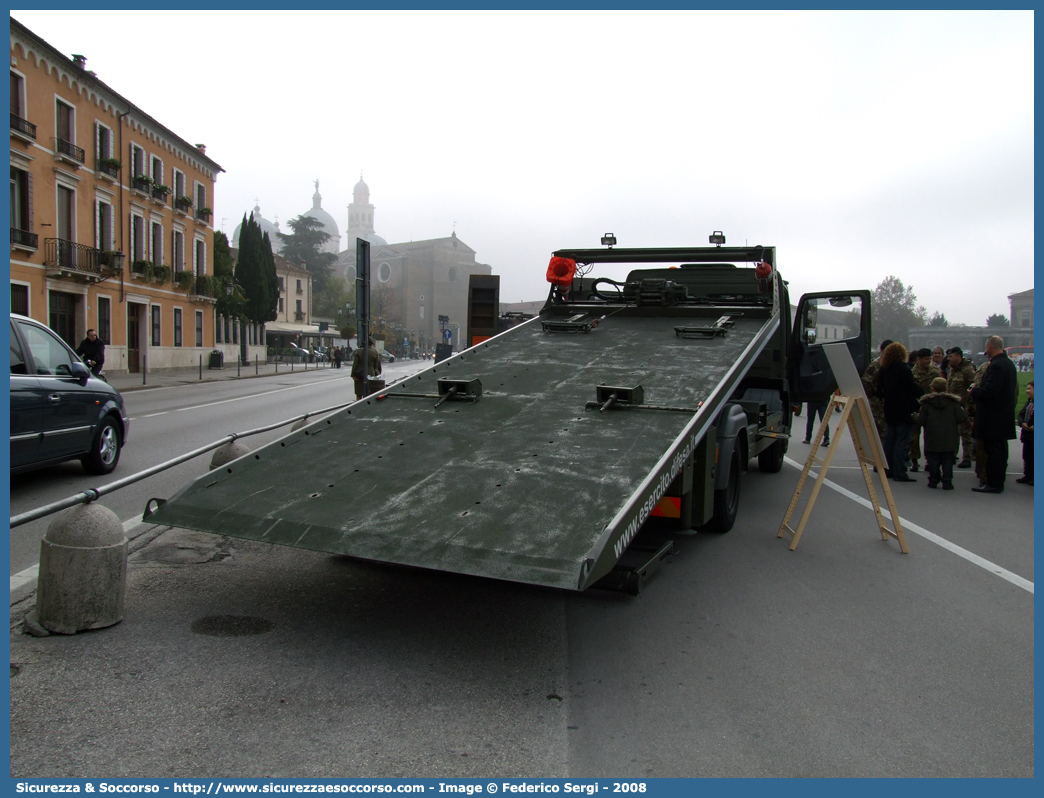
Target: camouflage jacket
<point>960,380</point>
<point>924,378</point>
<point>870,379</point>
<point>976,381</point>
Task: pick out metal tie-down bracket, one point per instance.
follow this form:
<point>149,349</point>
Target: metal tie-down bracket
<point>448,390</point>
<point>609,397</point>
<point>581,322</point>
<point>720,327</point>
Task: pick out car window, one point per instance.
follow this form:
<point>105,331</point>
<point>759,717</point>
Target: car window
<point>17,361</point>
<point>49,354</point>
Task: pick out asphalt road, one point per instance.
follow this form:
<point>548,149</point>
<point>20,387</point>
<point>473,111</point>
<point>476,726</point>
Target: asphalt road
<point>740,658</point>
<point>170,421</point>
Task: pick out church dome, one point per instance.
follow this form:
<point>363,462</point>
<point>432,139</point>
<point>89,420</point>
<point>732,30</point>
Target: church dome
<point>333,243</point>
<point>266,227</point>
<point>373,238</point>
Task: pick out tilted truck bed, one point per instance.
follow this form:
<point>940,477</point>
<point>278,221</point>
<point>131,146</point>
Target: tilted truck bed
<point>525,484</point>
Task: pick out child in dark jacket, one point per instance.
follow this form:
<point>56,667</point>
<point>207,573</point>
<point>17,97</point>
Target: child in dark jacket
<point>940,414</point>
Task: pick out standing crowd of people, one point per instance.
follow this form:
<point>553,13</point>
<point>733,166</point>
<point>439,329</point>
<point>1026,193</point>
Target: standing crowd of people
<point>955,406</point>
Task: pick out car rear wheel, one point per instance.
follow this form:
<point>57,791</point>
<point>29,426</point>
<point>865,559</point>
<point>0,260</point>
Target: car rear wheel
<point>105,451</point>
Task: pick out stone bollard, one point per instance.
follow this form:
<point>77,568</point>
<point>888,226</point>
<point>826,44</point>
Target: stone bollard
<point>227,453</point>
<point>83,571</point>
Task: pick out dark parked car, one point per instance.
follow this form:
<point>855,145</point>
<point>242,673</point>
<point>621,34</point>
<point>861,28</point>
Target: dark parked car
<point>59,410</point>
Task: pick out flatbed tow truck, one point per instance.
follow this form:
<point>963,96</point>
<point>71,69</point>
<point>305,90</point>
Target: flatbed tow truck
<point>538,455</point>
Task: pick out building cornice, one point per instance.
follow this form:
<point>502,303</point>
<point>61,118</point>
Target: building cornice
<point>93,90</point>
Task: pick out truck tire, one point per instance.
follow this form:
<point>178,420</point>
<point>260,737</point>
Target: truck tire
<point>770,461</point>
<point>726,501</point>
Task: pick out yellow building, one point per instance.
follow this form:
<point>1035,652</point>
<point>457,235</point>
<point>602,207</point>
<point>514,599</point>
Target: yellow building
<point>110,216</point>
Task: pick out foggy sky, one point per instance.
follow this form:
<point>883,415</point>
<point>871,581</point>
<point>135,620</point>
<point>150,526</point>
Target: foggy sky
<point>861,144</point>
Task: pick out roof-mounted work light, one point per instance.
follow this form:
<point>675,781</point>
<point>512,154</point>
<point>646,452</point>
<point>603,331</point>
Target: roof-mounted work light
<point>608,240</point>
<point>560,272</point>
<point>717,237</point>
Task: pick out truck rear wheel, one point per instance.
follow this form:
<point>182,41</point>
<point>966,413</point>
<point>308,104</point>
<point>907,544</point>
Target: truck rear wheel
<point>726,501</point>
<point>770,461</point>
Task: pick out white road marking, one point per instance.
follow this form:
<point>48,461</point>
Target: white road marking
<point>31,573</point>
<point>255,395</point>
<point>909,526</point>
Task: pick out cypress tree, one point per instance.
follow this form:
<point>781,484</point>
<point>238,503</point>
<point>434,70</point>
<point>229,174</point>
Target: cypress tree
<point>270,278</point>
<point>256,272</point>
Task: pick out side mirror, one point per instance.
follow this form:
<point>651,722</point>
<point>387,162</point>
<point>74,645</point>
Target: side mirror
<point>80,372</point>
<point>810,336</point>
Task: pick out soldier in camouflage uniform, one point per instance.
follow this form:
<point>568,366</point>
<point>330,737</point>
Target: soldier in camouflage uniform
<point>980,451</point>
<point>924,371</point>
<point>870,386</point>
<point>960,379</point>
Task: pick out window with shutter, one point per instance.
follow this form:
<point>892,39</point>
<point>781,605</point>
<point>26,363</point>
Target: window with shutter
<point>17,96</point>
<point>157,243</point>
<point>105,320</point>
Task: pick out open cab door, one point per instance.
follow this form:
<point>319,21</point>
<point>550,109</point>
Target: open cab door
<point>827,318</point>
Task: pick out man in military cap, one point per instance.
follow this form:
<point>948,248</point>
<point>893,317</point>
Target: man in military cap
<point>979,450</point>
<point>960,377</point>
<point>372,366</point>
<point>923,372</point>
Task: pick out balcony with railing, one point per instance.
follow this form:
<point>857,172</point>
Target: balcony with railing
<point>299,315</point>
<point>67,151</point>
<point>22,128</point>
<point>160,192</point>
<point>23,239</point>
<point>142,183</point>
<point>107,167</point>
<point>68,259</point>
<point>183,204</point>
<point>203,214</point>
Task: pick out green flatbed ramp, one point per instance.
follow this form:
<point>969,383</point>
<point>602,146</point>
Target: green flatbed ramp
<point>524,484</point>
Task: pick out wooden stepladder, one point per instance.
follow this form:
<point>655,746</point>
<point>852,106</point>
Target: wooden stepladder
<point>855,417</point>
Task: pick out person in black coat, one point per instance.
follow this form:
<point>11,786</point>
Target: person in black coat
<point>901,394</point>
<point>994,423</point>
<point>92,350</point>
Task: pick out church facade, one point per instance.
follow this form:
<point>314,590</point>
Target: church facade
<point>411,283</point>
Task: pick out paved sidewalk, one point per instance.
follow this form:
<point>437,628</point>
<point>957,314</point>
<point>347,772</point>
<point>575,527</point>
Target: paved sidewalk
<point>169,377</point>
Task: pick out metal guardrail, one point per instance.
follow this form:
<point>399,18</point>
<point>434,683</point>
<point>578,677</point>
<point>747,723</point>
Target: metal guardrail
<point>93,494</point>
